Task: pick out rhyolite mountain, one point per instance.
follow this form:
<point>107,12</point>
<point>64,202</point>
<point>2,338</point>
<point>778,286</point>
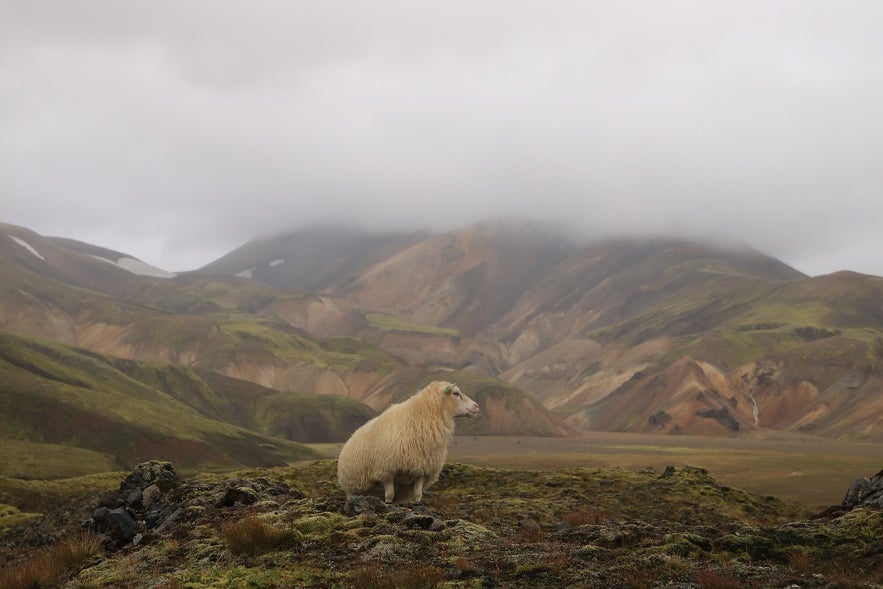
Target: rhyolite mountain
<point>652,335</point>
<point>105,354</point>
<point>552,333</point>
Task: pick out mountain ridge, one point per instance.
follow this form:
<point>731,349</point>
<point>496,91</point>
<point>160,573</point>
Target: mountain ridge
<point>594,316</point>
<point>650,335</point>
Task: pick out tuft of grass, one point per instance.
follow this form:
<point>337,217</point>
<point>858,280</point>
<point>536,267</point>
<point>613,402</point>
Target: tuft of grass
<point>802,561</point>
<point>709,579</point>
<point>640,578</point>
<point>372,576</point>
<point>584,515</point>
<point>50,566</point>
<point>847,575</point>
<point>251,535</point>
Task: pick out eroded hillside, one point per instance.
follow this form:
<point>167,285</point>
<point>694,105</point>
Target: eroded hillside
<point>658,335</point>
<point>625,335</point>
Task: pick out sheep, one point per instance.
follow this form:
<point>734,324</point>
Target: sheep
<point>403,449</point>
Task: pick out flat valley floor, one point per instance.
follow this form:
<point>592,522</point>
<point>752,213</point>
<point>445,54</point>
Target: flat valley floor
<point>812,471</point>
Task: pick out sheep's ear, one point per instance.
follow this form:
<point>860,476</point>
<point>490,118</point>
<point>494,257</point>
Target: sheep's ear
<point>448,390</point>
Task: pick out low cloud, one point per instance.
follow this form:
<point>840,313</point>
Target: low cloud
<point>177,131</point>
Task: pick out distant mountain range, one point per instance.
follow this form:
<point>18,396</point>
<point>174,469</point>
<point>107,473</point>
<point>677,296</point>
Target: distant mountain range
<point>302,336</point>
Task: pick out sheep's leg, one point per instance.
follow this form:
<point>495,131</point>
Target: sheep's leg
<point>418,490</point>
<point>389,490</point>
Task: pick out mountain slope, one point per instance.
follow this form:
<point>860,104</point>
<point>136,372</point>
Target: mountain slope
<point>593,330</point>
<point>465,280</point>
<point>200,330</point>
<point>660,335</point>
<point>49,268</point>
<point>310,260</point>
<point>58,395</point>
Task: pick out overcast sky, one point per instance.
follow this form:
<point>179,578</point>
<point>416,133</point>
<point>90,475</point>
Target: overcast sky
<point>177,130</point>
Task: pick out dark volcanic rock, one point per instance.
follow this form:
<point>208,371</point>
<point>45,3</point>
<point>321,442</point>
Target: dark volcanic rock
<point>866,491</point>
<point>117,524</point>
<point>424,522</point>
<point>360,504</point>
<point>244,494</point>
<point>154,472</point>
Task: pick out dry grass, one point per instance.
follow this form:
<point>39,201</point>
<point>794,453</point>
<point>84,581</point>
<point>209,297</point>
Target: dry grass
<point>372,576</point>
<point>252,535</point>
<point>847,576</point>
<point>640,578</point>
<point>583,516</point>
<point>50,566</point>
<point>801,561</point>
<point>709,579</point>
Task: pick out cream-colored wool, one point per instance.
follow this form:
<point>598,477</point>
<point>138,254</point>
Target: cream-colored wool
<point>402,451</point>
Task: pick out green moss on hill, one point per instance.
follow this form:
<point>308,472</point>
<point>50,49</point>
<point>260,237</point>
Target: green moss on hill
<point>58,395</point>
<point>386,322</point>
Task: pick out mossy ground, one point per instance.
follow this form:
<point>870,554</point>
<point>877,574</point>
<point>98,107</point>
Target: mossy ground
<point>483,527</point>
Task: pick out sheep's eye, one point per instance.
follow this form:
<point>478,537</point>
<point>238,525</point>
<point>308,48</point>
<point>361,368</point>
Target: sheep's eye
<point>457,394</point>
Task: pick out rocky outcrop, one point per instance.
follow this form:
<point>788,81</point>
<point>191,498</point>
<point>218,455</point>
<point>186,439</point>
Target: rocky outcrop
<point>153,499</point>
<point>865,492</point>
<point>141,505</point>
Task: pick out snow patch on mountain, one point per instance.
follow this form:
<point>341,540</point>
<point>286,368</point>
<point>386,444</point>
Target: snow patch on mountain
<point>26,245</point>
<point>138,267</point>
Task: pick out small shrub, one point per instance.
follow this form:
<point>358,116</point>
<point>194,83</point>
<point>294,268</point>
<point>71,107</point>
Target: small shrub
<point>48,567</point>
<point>371,576</point>
<point>170,546</point>
<point>251,535</point>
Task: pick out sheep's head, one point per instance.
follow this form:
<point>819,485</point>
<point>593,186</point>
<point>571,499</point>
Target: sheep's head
<point>463,405</point>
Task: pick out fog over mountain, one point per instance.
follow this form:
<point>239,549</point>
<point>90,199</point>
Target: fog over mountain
<point>178,131</point>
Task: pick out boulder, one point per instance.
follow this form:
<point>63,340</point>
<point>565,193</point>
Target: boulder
<point>359,504</point>
<point>153,472</point>
<point>866,492</point>
<point>117,524</point>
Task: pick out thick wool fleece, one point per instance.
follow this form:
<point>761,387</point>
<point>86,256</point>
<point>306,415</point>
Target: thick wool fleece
<point>402,451</point>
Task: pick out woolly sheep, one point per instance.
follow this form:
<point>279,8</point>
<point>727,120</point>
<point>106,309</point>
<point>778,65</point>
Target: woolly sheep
<point>402,451</point>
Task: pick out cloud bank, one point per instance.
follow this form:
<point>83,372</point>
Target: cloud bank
<point>175,131</point>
